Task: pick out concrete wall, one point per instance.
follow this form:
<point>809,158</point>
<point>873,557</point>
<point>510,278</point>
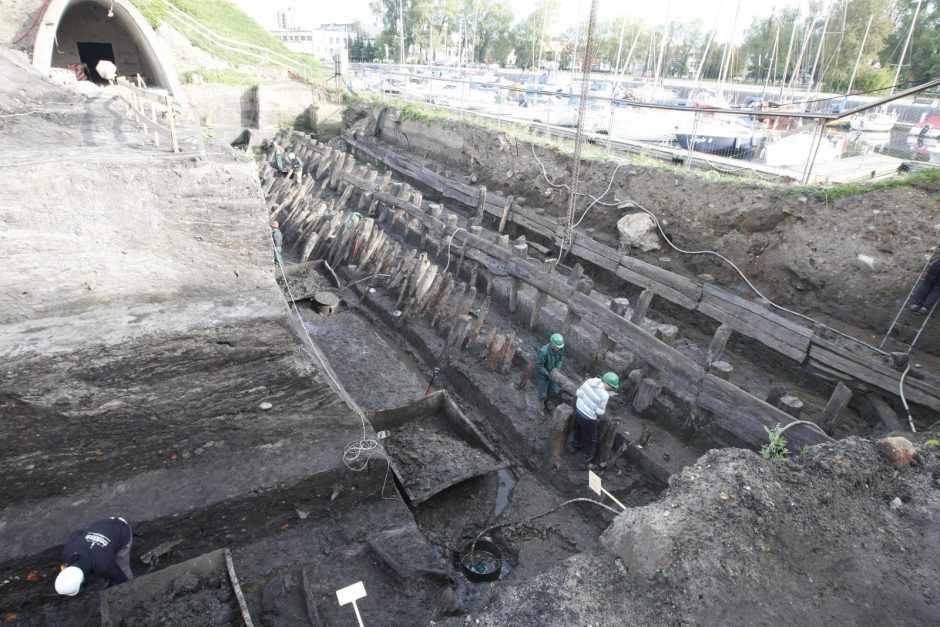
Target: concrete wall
<point>90,22</point>
<point>279,104</point>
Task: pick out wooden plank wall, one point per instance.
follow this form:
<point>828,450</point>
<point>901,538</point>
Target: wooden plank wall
<point>425,289</point>
<point>852,362</point>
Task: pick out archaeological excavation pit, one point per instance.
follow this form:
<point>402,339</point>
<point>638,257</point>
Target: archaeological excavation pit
<point>367,412</point>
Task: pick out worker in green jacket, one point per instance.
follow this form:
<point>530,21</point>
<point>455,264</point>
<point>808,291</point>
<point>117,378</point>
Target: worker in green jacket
<point>547,359</point>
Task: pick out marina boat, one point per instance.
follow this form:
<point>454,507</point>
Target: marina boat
<point>874,121</point>
<point>794,150</point>
<point>922,145</point>
<point>929,127</point>
<point>720,136</point>
<point>644,124</point>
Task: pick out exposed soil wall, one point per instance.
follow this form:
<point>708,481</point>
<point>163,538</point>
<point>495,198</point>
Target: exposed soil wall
<point>799,249</point>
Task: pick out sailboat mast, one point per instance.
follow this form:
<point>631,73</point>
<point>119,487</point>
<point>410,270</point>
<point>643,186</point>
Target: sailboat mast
<point>662,47</point>
<point>910,32</point>
<point>786,67</point>
<point>859,57</point>
<point>819,49</point>
<point>770,65</point>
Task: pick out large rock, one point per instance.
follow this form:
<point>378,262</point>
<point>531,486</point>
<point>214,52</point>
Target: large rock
<point>638,230</point>
<point>899,451</point>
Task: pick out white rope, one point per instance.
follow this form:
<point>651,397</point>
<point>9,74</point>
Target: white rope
<point>356,454</point>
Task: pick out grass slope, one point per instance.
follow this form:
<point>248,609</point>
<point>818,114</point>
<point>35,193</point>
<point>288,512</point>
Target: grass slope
<point>228,20</point>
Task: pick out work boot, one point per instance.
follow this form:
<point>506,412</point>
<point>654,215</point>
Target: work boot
<point>915,307</point>
<point>586,466</point>
<point>922,310</point>
<point>546,407</point>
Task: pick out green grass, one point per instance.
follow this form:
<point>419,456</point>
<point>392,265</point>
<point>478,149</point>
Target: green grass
<point>226,19</point>
<point>428,115</point>
<point>928,179</point>
<point>223,77</point>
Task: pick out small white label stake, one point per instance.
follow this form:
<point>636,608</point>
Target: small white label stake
<point>594,482</point>
<point>350,594</point>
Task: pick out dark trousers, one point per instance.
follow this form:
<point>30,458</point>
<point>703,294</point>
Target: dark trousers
<point>585,436</point>
<point>928,292</point>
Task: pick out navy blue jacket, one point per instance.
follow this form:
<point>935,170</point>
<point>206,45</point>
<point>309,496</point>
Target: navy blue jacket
<point>93,549</point>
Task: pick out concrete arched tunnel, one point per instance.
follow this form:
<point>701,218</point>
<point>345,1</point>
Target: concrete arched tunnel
<point>88,31</point>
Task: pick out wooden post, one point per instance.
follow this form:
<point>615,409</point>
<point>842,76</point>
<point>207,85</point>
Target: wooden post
<point>791,404</point>
<point>540,296</point>
<point>558,434</point>
<point>455,338</point>
<point>509,353</point>
<point>519,249</point>
<point>478,325</point>
<point>607,433</point>
<point>447,310</point>
<point>496,352</point>
<point>646,393</point>
<point>153,115</point>
<point>576,273</point>
<point>642,305</point>
<point>619,307</point>
<point>837,402</point>
<point>667,333</point>
<point>717,345</point>
<point>505,217</point>
<point>481,207</point>
<point>720,369</point>
<point>488,342</point>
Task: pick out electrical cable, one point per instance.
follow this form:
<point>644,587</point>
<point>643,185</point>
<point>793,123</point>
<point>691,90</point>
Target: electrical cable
<point>449,242</point>
<point>707,252</point>
<point>910,419</point>
<point>813,425</point>
<point>354,451</point>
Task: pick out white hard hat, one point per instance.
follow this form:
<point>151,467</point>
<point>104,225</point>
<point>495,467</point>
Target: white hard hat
<point>291,155</point>
<point>69,581</point>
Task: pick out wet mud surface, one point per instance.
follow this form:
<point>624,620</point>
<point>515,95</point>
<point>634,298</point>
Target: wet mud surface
<point>429,455</point>
<point>372,366</point>
<point>191,601</point>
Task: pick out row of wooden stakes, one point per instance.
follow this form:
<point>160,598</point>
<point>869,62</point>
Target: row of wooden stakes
<point>321,227</point>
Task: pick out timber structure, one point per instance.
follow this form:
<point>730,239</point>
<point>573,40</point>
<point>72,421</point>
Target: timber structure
<point>368,227</point>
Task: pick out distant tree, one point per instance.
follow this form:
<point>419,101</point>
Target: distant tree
<point>923,56</point>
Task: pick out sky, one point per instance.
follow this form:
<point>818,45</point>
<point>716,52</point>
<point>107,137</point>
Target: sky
<point>712,12</point>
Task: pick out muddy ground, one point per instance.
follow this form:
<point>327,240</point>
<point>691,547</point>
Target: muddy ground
<point>838,536</point>
<point>798,247</point>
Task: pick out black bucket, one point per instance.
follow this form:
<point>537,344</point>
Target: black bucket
<point>482,561</point>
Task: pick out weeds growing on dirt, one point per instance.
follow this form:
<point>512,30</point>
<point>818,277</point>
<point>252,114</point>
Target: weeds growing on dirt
<point>929,179</point>
<point>776,448</point>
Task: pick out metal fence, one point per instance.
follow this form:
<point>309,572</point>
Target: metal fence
<point>764,140</point>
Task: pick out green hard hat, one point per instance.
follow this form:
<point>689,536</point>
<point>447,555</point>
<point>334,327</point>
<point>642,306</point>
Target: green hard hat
<point>611,379</point>
<point>557,340</point>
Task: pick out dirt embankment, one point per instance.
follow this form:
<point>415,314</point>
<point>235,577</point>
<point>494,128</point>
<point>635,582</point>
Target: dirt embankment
<point>836,536</point>
<point>800,249</point>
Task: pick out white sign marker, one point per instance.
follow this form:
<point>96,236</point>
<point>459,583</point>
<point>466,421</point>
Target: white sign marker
<point>350,594</point>
<point>594,482</point>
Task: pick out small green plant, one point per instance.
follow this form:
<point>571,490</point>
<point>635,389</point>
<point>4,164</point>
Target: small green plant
<point>776,448</point>
<point>932,442</point>
<point>804,452</point>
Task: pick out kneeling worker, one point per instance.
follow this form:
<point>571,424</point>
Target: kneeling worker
<point>592,403</point>
<point>547,359</point>
<point>103,549</point>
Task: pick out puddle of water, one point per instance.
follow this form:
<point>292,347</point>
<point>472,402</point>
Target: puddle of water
<point>506,483</point>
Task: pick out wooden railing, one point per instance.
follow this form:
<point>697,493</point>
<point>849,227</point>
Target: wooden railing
<point>155,112</point>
